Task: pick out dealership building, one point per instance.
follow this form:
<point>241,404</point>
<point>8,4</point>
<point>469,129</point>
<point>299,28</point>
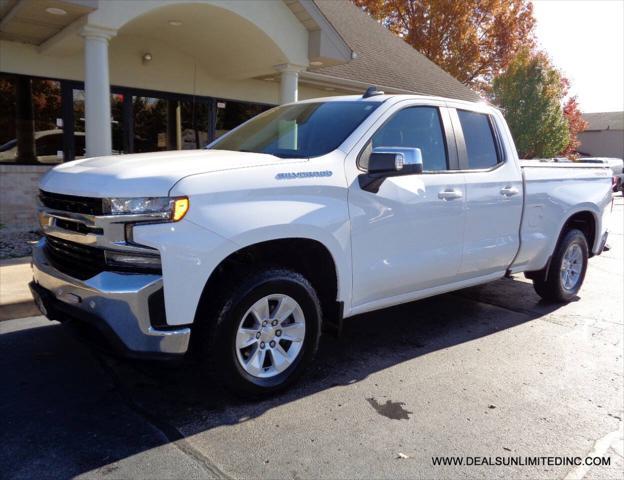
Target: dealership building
<point>98,77</point>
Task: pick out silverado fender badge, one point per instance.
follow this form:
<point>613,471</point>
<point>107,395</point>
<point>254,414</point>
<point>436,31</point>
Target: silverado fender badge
<point>292,175</point>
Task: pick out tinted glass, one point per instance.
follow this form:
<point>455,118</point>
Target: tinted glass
<point>49,144</point>
<point>37,102</point>
<point>300,130</point>
<point>416,127</point>
<point>479,138</point>
<point>231,114</point>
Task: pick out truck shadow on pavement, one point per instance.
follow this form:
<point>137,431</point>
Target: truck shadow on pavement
<point>68,409</point>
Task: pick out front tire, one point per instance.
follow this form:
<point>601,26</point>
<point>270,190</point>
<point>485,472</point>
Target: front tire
<point>567,269</point>
<point>266,332</point>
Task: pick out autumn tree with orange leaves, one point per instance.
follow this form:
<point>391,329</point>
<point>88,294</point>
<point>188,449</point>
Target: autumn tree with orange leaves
<point>576,124</point>
<point>473,40</point>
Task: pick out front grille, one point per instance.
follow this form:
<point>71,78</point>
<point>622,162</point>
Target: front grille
<point>76,260</point>
<point>77,227</point>
<point>72,203</point>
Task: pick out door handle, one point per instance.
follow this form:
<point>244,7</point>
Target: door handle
<point>509,191</point>
<point>450,194</point>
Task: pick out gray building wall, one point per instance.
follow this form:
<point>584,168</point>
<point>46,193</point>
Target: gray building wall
<point>602,143</point>
<point>18,196</point>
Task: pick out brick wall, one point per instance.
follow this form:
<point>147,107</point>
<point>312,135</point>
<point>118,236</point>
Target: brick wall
<point>18,190</point>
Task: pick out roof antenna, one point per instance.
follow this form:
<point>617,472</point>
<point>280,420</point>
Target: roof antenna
<point>371,92</point>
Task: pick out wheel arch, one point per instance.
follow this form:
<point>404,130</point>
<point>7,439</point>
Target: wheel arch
<point>308,256</point>
<point>585,220</point>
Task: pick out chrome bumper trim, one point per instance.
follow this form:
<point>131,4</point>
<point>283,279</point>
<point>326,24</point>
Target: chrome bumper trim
<point>119,299</point>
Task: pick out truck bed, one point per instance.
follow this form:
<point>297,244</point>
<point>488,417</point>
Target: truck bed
<point>552,192</point>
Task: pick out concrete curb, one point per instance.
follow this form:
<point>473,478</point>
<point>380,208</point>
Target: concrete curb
<point>12,311</point>
<point>15,298</point>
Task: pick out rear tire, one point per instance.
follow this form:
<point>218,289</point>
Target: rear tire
<point>263,333</point>
<point>567,269</point>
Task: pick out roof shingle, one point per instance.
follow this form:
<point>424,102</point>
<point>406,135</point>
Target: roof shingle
<point>385,59</point>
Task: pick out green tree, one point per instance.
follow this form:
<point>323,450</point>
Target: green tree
<point>530,93</point>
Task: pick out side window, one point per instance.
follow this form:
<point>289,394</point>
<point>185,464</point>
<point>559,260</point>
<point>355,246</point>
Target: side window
<point>479,139</point>
<point>413,127</point>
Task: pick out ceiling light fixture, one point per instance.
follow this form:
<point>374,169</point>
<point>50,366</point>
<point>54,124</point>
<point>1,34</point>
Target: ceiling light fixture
<point>147,57</point>
<point>55,11</point>
<point>269,79</point>
<point>316,63</point>
<point>175,23</point>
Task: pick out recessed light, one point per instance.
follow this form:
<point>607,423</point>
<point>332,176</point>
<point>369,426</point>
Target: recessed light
<point>55,11</point>
<point>268,79</point>
<point>175,23</point>
<point>316,64</point>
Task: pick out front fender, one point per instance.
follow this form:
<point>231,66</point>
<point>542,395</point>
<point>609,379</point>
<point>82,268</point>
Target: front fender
<point>189,254</point>
<point>250,206</point>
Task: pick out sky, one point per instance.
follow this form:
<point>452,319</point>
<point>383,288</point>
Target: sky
<point>585,40</point>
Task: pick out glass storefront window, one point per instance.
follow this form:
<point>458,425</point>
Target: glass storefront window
<point>33,112</point>
<point>231,114</point>
<point>195,124</point>
<point>150,124</point>
<point>117,123</point>
<point>79,124</point>
<point>31,126</point>
<point>165,124</point>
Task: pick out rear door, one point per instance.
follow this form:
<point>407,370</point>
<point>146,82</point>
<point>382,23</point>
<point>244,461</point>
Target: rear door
<point>494,194</point>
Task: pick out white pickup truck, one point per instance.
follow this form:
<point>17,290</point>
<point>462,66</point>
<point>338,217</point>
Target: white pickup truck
<point>305,215</point>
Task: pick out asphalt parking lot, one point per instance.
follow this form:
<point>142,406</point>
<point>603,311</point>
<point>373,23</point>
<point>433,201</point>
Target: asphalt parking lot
<point>484,372</point>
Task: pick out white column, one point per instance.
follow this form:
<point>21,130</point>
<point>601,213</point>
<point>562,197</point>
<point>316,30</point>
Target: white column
<point>97,91</point>
<point>289,82</point>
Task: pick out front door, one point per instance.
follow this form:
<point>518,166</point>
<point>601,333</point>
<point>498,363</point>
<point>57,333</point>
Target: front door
<point>407,237</point>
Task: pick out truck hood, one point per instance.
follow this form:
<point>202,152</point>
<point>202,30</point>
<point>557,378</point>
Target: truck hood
<point>144,174</point>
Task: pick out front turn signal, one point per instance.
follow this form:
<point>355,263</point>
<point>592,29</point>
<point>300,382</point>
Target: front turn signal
<point>180,208</point>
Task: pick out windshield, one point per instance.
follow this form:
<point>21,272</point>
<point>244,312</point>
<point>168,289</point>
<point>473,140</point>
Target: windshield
<point>299,130</point>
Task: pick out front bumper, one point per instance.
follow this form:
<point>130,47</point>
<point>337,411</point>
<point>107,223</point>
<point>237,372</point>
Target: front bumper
<point>113,303</point>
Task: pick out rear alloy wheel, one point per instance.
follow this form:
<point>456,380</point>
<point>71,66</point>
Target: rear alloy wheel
<point>571,267</point>
<point>266,332</point>
<point>567,269</point>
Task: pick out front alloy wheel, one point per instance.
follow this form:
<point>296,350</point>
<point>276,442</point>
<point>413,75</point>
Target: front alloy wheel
<point>270,336</point>
<point>262,331</point>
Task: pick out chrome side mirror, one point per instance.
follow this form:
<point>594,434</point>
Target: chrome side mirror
<point>406,158</point>
<point>390,162</point>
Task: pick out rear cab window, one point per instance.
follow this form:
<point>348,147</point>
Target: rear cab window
<point>480,140</point>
